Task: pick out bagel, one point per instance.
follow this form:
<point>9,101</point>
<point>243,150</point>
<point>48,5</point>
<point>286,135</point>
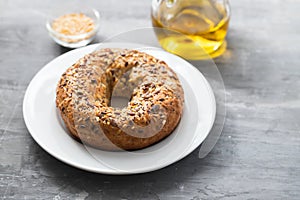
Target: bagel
<point>155,99</point>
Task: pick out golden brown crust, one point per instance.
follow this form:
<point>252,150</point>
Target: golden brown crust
<point>153,112</point>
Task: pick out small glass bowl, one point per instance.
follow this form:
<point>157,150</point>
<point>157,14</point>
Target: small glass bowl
<point>74,41</point>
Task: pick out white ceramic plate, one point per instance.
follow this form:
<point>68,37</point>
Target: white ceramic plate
<point>44,124</point>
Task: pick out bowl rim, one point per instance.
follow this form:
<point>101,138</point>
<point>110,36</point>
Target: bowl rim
<point>80,36</point>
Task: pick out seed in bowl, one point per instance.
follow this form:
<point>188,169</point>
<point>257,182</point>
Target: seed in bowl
<point>73,24</point>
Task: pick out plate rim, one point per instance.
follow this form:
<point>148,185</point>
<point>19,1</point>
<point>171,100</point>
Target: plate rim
<point>115,172</point>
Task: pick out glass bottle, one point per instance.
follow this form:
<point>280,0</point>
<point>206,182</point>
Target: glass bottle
<point>193,29</point>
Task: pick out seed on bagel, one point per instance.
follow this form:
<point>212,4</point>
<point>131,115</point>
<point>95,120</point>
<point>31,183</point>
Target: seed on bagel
<point>154,91</point>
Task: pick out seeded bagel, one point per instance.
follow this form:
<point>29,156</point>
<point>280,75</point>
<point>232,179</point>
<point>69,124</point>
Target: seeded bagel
<point>153,90</point>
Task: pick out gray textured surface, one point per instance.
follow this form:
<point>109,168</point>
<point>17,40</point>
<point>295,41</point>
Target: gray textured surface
<point>257,156</point>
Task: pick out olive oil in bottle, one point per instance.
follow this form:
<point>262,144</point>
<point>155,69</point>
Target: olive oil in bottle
<point>193,29</point>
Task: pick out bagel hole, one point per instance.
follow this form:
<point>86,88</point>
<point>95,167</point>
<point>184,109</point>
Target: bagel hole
<point>122,91</point>
<point>119,102</point>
